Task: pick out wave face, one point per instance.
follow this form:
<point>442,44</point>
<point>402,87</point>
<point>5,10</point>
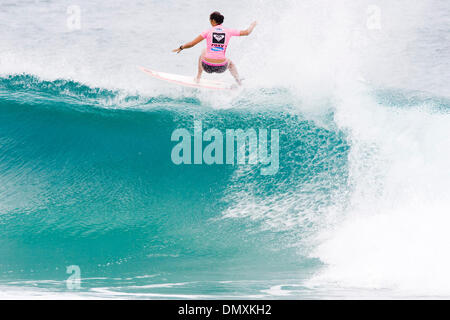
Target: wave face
<point>95,187</point>
<point>358,207</point>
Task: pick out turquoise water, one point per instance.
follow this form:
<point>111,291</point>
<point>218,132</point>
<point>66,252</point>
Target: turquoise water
<point>358,207</point>
<point>96,187</point>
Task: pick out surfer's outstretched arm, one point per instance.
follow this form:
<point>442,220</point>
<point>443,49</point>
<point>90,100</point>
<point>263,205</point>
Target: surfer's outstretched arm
<point>248,31</point>
<point>189,44</point>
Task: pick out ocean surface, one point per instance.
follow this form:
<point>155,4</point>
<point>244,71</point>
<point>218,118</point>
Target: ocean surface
<point>359,208</point>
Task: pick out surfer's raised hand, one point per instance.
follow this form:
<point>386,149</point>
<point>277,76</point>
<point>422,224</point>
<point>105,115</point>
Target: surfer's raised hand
<point>249,30</point>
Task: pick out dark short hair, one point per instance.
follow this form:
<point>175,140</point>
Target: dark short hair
<point>217,17</point>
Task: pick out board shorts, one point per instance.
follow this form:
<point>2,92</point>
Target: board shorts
<point>214,67</point>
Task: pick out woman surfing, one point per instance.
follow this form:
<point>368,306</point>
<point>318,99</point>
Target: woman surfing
<point>213,59</point>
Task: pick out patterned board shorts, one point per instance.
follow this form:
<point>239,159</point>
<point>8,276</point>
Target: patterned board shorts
<point>211,68</point>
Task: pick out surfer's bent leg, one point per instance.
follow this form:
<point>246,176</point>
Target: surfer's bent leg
<point>234,72</point>
<point>200,67</point>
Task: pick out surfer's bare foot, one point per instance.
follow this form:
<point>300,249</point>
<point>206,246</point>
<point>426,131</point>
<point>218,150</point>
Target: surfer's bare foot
<point>197,79</point>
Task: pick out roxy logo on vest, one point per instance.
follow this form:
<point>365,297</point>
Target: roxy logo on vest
<point>218,38</point>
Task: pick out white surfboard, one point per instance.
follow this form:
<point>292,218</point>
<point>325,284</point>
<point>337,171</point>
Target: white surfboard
<point>188,81</point>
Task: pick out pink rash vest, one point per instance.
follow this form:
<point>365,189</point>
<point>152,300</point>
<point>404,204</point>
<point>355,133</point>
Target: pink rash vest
<point>217,39</point>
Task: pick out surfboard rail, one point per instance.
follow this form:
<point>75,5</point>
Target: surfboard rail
<point>187,81</point>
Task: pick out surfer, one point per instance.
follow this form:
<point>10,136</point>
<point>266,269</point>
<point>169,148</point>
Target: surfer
<point>212,59</point>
